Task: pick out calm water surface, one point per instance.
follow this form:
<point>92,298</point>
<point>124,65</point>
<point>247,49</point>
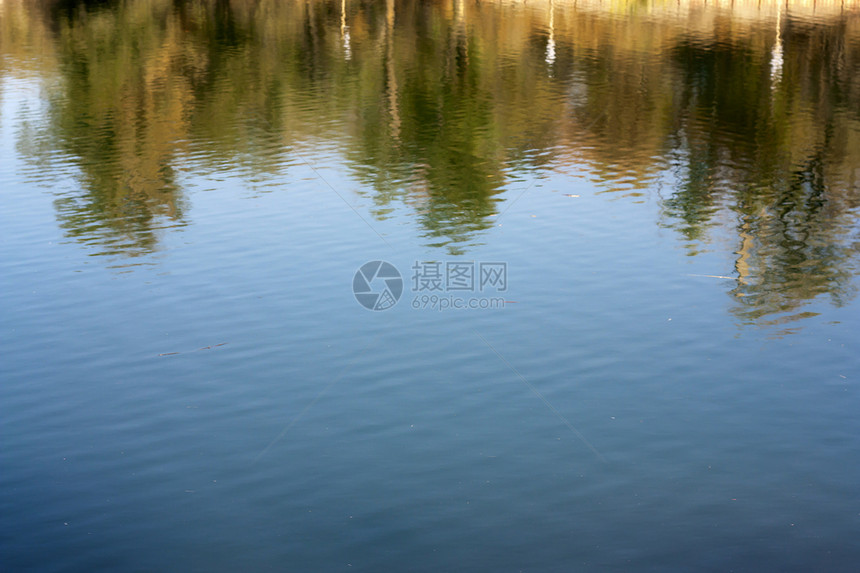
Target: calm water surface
<point>670,382</point>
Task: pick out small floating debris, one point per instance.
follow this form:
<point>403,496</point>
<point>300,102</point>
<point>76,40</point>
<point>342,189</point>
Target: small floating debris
<point>570,195</point>
<point>197,350</point>
<point>713,277</point>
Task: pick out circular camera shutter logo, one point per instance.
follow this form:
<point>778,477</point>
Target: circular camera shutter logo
<point>377,285</point>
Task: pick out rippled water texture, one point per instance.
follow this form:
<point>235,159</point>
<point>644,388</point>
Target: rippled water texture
<point>666,378</point>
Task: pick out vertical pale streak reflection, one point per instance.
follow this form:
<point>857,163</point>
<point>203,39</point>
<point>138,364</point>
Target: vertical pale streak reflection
<point>550,45</point>
<point>344,32</point>
<point>390,77</point>
<point>458,38</point>
<point>776,57</point>
<point>460,28</point>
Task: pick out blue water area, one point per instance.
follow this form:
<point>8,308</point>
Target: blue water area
<point>661,375</point>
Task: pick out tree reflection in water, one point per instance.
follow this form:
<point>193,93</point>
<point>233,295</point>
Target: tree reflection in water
<point>749,115</point>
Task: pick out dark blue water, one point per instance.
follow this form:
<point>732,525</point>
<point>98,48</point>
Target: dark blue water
<point>670,381</point>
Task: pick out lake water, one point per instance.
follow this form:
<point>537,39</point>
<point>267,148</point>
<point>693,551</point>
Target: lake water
<point>616,329</point>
